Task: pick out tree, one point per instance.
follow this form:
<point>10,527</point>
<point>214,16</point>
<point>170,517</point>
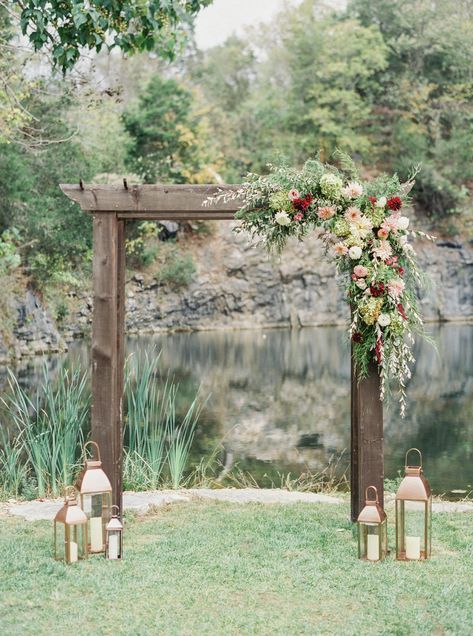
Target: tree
<point>68,26</point>
<point>423,102</point>
<point>164,133</point>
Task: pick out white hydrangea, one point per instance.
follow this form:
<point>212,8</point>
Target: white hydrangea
<point>282,218</point>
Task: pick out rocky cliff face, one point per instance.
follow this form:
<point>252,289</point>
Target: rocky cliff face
<point>239,286</point>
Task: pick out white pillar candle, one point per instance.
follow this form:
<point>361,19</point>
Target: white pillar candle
<point>96,540</point>
<point>113,546</point>
<point>72,552</point>
<point>413,548</point>
<point>373,548</point>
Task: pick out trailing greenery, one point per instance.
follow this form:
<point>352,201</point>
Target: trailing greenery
<point>43,432</point>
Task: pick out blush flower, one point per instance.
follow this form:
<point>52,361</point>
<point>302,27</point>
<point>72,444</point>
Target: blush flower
<point>383,233</point>
<point>381,202</point>
<point>293,194</point>
<point>298,217</point>
<point>396,287</point>
<point>340,249</point>
<point>326,212</point>
<point>353,190</point>
<point>360,270</point>
<point>383,250</point>
<point>353,214</point>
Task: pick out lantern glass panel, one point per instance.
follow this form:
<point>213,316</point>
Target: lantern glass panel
<point>372,541</point>
<point>97,507</point>
<point>413,527</point>
<point>114,547</point>
<point>70,542</point>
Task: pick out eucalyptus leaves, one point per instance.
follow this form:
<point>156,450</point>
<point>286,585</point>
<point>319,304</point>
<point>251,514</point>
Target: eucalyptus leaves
<point>367,235</point>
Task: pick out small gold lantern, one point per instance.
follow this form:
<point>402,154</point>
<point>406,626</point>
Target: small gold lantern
<point>114,537</point>
<point>413,514</point>
<point>96,500</point>
<point>372,529</point>
<point>70,531</point>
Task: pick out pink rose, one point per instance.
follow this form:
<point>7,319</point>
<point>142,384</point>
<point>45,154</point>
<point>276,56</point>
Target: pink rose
<point>294,194</point>
<point>361,271</point>
<point>383,233</point>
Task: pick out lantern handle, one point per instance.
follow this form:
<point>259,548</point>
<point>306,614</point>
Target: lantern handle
<point>91,442</point>
<point>420,456</point>
<point>66,493</point>
<point>118,510</point>
<point>375,493</point>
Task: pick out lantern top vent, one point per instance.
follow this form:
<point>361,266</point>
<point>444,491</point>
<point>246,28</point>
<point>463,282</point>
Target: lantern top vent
<point>93,479</point>
<point>414,486</point>
<point>71,514</point>
<point>372,511</point>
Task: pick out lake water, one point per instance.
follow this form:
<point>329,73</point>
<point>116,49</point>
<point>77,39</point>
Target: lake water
<point>280,399</point>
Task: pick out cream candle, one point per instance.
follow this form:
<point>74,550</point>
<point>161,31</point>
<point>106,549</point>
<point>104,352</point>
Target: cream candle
<point>73,552</point>
<point>373,548</point>
<point>113,546</point>
<point>413,548</point>
<point>96,540</point>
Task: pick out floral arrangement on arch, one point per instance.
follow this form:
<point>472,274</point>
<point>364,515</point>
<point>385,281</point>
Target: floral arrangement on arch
<point>365,231</point>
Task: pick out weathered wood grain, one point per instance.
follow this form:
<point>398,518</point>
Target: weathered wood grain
<point>367,441</point>
<point>161,199</point>
<point>107,345</point>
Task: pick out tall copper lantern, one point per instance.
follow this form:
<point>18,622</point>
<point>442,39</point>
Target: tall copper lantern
<point>413,514</point>
<point>70,531</point>
<point>372,529</point>
<point>96,500</point>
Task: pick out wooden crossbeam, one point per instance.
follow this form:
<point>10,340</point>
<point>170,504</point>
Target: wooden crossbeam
<point>160,202</point>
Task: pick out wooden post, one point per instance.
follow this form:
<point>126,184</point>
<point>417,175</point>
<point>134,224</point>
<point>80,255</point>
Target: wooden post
<point>367,452</point>
<point>107,345</point>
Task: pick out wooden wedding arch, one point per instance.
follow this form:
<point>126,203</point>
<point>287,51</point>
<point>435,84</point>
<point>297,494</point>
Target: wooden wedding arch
<point>111,207</point>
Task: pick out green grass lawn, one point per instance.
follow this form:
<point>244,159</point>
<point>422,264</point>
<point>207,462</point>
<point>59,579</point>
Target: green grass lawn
<point>214,568</point>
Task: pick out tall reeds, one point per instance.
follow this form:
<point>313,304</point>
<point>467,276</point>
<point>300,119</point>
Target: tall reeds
<point>47,428</point>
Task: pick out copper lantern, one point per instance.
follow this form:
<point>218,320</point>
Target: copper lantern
<point>96,500</point>
<point>413,514</point>
<point>114,537</point>
<point>372,529</point>
<point>70,532</point>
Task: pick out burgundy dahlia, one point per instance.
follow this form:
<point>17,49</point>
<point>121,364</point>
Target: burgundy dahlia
<point>395,203</point>
<point>357,337</point>
<point>377,289</point>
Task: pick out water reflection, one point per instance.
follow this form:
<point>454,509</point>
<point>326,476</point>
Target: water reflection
<point>279,399</point>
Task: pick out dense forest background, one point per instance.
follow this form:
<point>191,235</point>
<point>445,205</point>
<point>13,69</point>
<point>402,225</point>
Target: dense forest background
<point>388,81</point>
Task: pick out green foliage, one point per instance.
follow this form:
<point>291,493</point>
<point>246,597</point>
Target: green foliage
<point>164,133</point>
<point>9,257</point>
<point>68,27</point>
<point>176,269</point>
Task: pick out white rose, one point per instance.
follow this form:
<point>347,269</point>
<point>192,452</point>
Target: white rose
<point>384,320</point>
<point>361,283</point>
<point>282,218</point>
<point>355,252</point>
<point>381,203</point>
<point>402,240</point>
<point>402,223</point>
